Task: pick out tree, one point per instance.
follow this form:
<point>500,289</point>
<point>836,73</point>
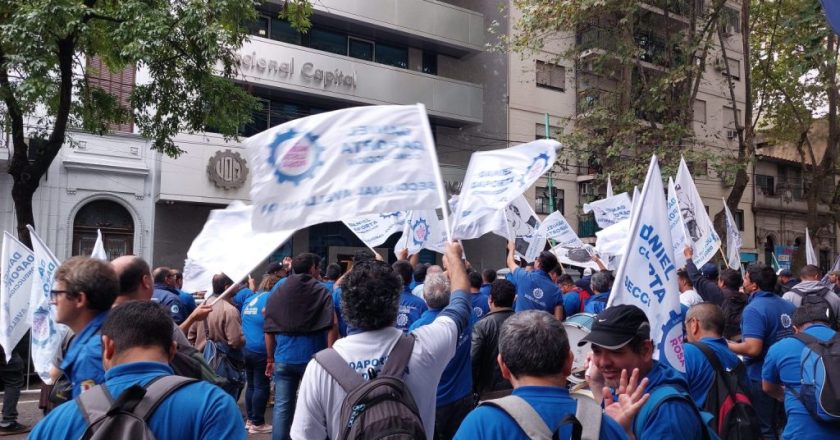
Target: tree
<point>188,48</point>
<point>637,85</point>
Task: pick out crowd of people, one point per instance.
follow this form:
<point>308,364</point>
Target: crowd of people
<point>430,351</point>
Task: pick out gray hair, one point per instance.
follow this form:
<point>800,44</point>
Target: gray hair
<point>601,281</point>
<point>436,290</point>
<point>522,333</point>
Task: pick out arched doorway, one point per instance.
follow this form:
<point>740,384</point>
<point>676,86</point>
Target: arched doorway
<point>112,219</point>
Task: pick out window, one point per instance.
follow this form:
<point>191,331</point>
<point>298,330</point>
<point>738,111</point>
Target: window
<point>700,111</point>
<point>361,49</point>
<point>282,30</point>
<point>765,184</point>
<point>328,41</point>
<point>734,68</point>
<point>738,215</point>
<point>258,27</point>
<point>259,119</point>
<point>555,132</point>
<point>542,202</point>
<point>112,219</point>
<point>729,116</point>
<point>430,63</point>
<point>392,55</point>
<point>551,76</point>
<point>730,20</point>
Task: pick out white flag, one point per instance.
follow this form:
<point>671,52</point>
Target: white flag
<point>675,221</point>
<point>733,240</point>
<point>555,227</point>
<point>609,187</point>
<point>523,225</point>
<point>197,278</point>
<point>228,244</point>
<point>17,270</point>
<point>99,248</point>
<point>423,230</point>
<point>374,229</point>
<point>701,235</point>
<point>647,275</point>
<point>611,210</point>
<point>46,332</point>
<point>343,164</point>
<point>496,178</point>
<point>810,255</point>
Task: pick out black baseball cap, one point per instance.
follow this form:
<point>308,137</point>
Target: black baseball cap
<point>616,326</point>
<point>275,267</point>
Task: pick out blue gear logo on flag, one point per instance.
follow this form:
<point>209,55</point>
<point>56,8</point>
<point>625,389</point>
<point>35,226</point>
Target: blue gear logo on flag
<point>420,231</point>
<point>535,170</point>
<point>300,161</point>
<point>672,334</point>
<point>41,327</point>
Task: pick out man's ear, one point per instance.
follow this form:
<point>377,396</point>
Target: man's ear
<point>108,351</point>
<point>503,368</point>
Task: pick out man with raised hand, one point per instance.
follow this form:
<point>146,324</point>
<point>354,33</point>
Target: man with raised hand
<point>535,290</point>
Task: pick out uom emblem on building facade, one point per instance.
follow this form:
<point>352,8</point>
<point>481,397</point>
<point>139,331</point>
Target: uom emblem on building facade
<point>228,170</point>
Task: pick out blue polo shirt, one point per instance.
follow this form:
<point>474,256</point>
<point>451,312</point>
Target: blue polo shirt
<point>411,307</point>
<point>596,303</point>
<point>485,289</point>
<point>698,370</point>
<point>169,298</point>
<point>480,306</point>
<point>83,362</point>
<point>675,418</point>
<point>342,324</point>
<point>298,349</point>
<point>195,411</point>
<point>535,291</point>
<point>252,323</point>
<point>782,366</point>
<point>766,317</point>
<point>242,297</point>
<point>188,302</point>
<point>571,303</point>
<point>456,380</point>
<point>551,403</point>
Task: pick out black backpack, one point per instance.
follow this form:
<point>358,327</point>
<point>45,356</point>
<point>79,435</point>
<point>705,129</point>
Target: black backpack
<point>380,408</point>
<point>728,401</point>
<point>128,416</point>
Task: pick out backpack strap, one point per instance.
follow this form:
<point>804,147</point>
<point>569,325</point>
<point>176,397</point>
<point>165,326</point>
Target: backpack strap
<point>715,362</point>
<point>524,415</point>
<point>95,403</point>
<point>806,339</point>
<point>337,367</point>
<point>658,396</point>
<point>589,414</point>
<point>157,391</point>
<point>399,356</point>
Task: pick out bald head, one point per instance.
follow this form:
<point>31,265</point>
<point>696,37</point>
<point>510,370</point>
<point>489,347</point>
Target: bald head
<point>709,318</point>
<point>135,278</point>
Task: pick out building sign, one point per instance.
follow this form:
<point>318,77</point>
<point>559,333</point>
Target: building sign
<point>228,170</point>
<point>784,254</point>
<point>285,69</point>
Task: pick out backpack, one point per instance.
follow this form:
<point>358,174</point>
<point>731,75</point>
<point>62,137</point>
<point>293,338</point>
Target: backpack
<point>586,421</point>
<point>584,297</point>
<point>225,362</point>
<point>662,394</point>
<point>820,368</point>
<point>381,407</point>
<point>128,416</point>
<point>734,416</point>
<point>189,362</point>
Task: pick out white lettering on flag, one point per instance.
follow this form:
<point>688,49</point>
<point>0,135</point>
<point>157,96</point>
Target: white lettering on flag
<point>700,233</point>
<point>46,332</point>
<point>675,221</point>
<point>374,229</point>
<point>611,210</point>
<point>99,248</point>
<point>18,264</point>
<point>343,164</point>
<point>496,178</point>
<point>647,275</point>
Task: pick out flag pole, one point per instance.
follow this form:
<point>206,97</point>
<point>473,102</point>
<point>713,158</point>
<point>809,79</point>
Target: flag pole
<point>430,142</point>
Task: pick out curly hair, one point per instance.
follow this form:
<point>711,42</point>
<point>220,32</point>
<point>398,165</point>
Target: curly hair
<point>370,296</point>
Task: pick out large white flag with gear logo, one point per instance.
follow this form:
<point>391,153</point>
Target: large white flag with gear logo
<point>343,164</point>
<point>46,332</point>
<point>374,229</point>
<point>423,230</point>
<point>647,274</point>
<point>496,178</point>
<point>700,232</point>
<point>17,270</point>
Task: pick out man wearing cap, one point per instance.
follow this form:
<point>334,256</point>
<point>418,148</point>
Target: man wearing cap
<point>781,375</point>
<point>786,281</point>
<point>766,320</point>
<point>620,340</point>
<point>704,280</point>
<point>535,289</point>
<point>704,324</point>
<point>811,284</point>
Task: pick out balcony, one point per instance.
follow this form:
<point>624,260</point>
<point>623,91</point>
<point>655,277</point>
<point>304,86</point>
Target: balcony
<point>316,74</point>
<point>786,196</point>
<point>589,99</point>
<point>679,10</point>
<point>653,49</point>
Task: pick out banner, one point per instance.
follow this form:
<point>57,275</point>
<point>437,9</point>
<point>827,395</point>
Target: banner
<point>675,221</point>
<point>523,225</point>
<point>423,230</point>
<point>46,333</point>
<point>609,211</point>
<point>494,179</point>
<point>647,275</point>
<point>733,240</point>
<point>700,232</point>
<point>374,229</point>
<point>228,244</point>
<point>343,164</point>
<point>99,248</point>
<point>17,270</point>
<point>810,255</point>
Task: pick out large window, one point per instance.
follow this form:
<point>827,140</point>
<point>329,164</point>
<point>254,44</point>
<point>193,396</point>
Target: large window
<point>551,76</point>
<point>542,202</point>
<point>361,49</point>
<point>700,111</point>
<point>392,55</point>
<point>430,63</point>
<point>766,184</point>
<point>328,41</point>
<point>275,112</point>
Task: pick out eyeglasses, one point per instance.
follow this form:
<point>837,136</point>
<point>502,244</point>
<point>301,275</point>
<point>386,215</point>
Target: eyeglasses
<point>54,294</point>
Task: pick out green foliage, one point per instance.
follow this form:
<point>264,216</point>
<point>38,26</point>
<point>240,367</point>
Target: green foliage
<point>297,12</point>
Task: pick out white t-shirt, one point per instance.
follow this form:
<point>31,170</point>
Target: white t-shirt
<point>318,410</point>
<point>690,298</point>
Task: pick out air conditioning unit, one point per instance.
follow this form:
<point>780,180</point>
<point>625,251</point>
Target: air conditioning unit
<point>720,64</point>
<point>731,134</point>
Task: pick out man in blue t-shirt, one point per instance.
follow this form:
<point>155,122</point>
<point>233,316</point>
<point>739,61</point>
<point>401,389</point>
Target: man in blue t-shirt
<point>540,381</point>
<point>704,324</point>
<point>620,339</point>
<point>411,307</point>
<point>137,345</point>
<point>535,290</point>
<point>480,306</point>
<point>187,300</point>
<point>601,285</point>
<point>454,391</point>
<point>782,372</point>
<point>765,320</point>
<point>487,278</point>
<point>166,294</point>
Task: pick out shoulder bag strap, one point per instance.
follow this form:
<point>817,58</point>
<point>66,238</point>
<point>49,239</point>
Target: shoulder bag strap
<point>95,403</point>
<point>399,356</point>
<point>337,367</point>
<point>157,391</point>
<point>524,415</point>
<point>718,367</point>
<point>589,414</point>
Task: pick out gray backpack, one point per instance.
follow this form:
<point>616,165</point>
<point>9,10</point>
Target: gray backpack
<point>586,422</point>
<point>382,407</point>
<point>126,417</point>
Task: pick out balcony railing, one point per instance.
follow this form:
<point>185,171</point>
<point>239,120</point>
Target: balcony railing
<point>679,7</point>
<point>653,48</point>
